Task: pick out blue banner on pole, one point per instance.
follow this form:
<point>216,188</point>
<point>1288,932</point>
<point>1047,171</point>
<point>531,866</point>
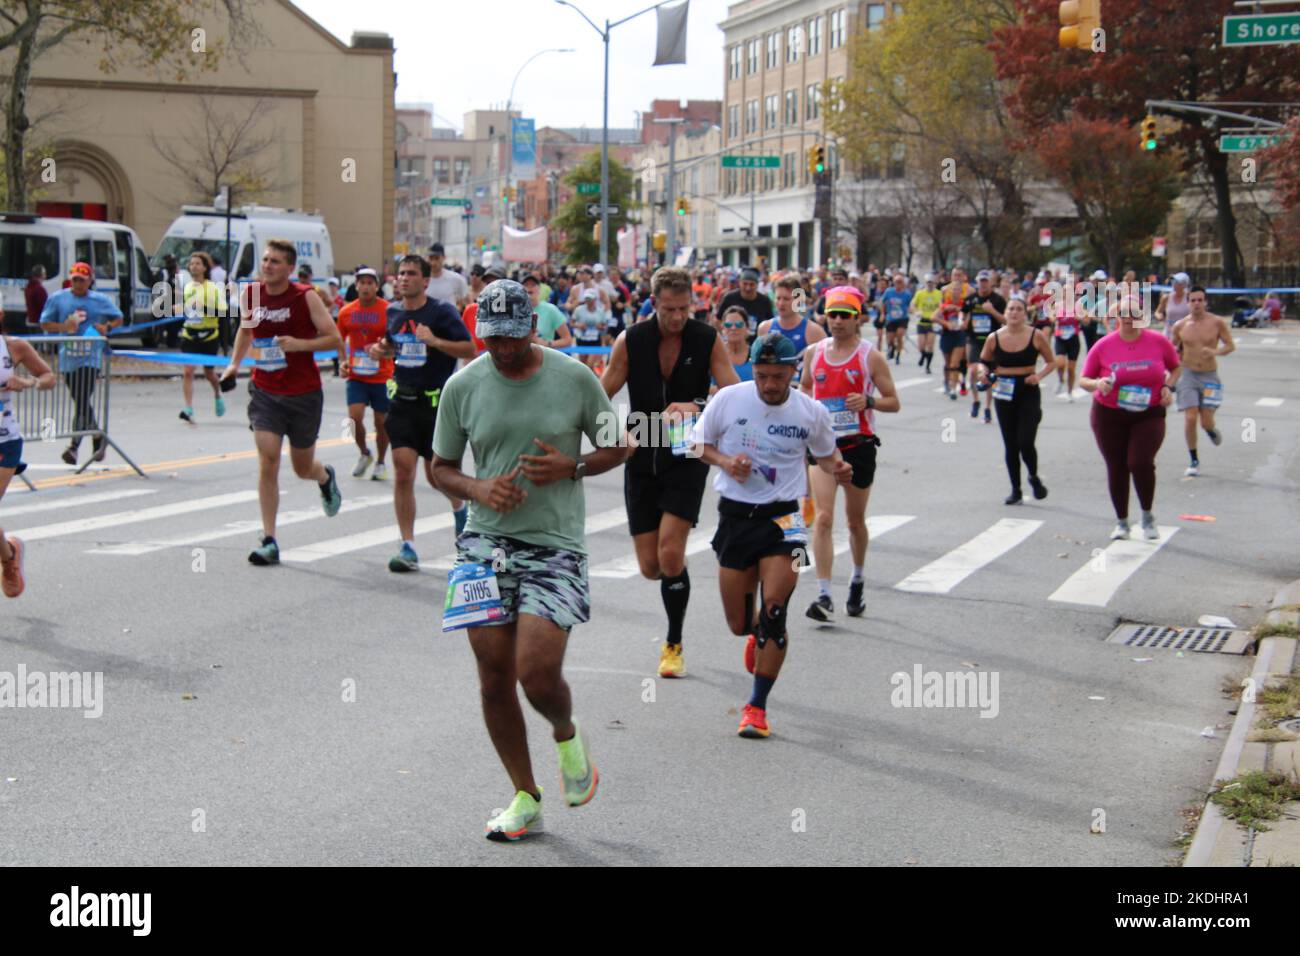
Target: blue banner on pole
<point>523,139</point>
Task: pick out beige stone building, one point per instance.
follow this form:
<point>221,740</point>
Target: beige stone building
<point>325,107</point>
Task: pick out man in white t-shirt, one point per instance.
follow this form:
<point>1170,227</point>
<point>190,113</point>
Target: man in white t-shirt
<point>758,433</point>
<point>445,285</point>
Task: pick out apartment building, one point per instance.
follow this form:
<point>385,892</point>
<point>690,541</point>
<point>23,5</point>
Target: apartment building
<point>778,56</point>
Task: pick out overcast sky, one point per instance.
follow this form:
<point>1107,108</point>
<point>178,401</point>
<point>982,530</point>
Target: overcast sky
<point>463,55</point>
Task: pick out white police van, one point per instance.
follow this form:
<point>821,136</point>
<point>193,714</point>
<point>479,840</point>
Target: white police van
<point>117,261</point>
<point>203,229</point>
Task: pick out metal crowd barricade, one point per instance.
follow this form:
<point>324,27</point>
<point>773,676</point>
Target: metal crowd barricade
<point>78,406</point>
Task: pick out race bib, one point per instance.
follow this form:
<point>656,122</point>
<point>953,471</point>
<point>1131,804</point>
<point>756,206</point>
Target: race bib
<point>793,528</point>
<point>363,364</point>
<point>269,357</point>
<point>680,435</point>
<point>1134,398</point>
<point>843,420</point>
<point>6,414</point>
<point>1066,331</point>
<point>1212,395</point>
<point>1004,388</point>
<point>411,352</point>
<point>981,324</point>
<point>193,319</point>
<point>473,598</point>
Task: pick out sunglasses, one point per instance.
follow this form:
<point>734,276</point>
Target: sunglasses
<point>842,314</point>
<point>733,325</point>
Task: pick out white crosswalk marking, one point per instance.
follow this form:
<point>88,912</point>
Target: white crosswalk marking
<point>877,526</point>
<point>912,382</point>
<point>117,518</point>
<point>944,574</point>
<point>1097,581</point>
<point>365,539</point>
<point>73,500</point>
<point>601,521</point>
<point>236,528</point>
<point>1272,340</point>
<point>627,567</point>
<point>1269,402</point>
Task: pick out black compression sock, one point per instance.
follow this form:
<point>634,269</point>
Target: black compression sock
<point>676,593</point>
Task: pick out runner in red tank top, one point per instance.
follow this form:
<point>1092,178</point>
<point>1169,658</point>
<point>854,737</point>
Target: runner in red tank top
<point>283,326</point>
<point>842,373</point>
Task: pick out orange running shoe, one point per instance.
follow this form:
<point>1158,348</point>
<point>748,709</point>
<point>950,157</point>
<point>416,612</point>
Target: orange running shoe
<point>11,573</point>
<point>753,722</point>
<point>751,651</point>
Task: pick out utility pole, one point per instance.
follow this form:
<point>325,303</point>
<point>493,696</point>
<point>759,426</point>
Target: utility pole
<point>670,250</point>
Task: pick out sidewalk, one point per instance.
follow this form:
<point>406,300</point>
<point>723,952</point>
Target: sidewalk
<point>1219,840</point>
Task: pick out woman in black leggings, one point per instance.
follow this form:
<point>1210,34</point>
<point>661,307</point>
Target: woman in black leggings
<point>1013,351</point>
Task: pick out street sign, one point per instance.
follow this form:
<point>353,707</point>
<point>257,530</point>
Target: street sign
<point>1044,237</point>
<point>1261,29</point>
<point>588,189</point>
<point>1158,247</point>
<point>593,209</point>
<point>751,162</point>
<point>446,201</point>
<point>1246,143</point>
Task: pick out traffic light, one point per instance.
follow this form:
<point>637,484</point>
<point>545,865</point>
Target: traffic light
<point>817,160</point>
<point>595,232</point>
<point>683,207</point>
<point>1149,140</point>
<point>660,241</point>
<point>1078,19</point>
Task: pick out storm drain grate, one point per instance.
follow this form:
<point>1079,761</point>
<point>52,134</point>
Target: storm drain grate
<point>1203,640</point>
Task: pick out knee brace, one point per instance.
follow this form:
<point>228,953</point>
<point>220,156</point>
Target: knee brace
<point>771,626</point>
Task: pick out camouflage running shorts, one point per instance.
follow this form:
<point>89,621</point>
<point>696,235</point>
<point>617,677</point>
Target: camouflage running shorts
<point>545,582</point>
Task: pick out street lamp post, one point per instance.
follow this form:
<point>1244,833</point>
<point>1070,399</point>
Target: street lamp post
<point>510,124</point>
<point>670,195</point>
<point>604,124</point>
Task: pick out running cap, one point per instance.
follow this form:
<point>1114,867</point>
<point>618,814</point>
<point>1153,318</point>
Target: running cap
<point>749,275</point>
<point>589,295</point>
<point>844,298</point>
<point>983,274</point>
<point>504,311</point>
<point>80,269</point>
<point>1182,277</point>
<point>494,272</point>
<point>1099,275</point>
<point>332,281</point>
<point>597,268</point>
<point>929,277</point>
<point>529,277</point>
<point>365,271</point>
<point>773,349</point>
<point>437,250</point>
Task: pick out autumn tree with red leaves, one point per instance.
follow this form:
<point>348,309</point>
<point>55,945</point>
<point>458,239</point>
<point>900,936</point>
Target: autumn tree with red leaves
<point>1155,50</point>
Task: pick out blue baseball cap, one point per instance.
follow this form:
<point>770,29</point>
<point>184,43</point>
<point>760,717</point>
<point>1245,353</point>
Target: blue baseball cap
<point>773,349</point>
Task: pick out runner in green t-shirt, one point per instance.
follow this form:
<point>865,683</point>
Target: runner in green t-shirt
<point>520,580</point>
<point>552,326</point>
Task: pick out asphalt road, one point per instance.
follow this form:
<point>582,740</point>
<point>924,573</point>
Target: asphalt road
<point>269,762</point>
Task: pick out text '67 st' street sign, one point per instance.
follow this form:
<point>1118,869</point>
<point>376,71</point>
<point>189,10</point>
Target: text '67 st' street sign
<point>1246,143</point>
<point>1261,29</point>
<point>445,201</point>
<point>751,162</point>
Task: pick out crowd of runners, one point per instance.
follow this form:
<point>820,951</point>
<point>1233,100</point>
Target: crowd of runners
<point>772,384</point>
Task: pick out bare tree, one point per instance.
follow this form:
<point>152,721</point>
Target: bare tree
<point>222,149</point>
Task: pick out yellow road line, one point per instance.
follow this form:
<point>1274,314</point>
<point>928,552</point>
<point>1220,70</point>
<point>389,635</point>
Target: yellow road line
<point>174,465</point>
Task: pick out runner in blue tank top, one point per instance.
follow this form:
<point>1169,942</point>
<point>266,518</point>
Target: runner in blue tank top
<point>791,317</point>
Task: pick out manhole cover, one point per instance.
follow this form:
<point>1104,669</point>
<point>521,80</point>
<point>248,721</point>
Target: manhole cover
<point>1203,640</point>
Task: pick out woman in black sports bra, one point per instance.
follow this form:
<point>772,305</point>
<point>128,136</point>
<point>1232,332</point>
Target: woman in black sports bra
<point>1014,350</point>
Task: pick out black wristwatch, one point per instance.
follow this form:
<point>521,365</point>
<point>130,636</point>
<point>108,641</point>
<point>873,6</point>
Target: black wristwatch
<point>871,401</point>
<point>580,470</point>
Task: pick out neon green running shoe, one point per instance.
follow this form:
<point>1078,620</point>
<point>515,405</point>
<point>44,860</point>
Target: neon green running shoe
<point>577,771</point>
<point>523,816</point>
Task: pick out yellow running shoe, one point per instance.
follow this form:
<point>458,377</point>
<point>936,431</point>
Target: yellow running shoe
<point>670,661</point>
<point>523,816</point>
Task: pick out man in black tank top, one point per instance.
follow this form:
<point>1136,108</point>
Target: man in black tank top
<point>667,363</point>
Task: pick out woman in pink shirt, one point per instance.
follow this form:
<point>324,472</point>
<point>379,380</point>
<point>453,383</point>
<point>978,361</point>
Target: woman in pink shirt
<point>1131,373</point>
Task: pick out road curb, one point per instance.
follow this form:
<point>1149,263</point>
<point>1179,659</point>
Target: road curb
<point>1218,840</point>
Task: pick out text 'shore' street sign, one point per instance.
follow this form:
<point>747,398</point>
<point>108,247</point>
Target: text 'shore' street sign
<point>751,162</point>
<point>1261,29</point>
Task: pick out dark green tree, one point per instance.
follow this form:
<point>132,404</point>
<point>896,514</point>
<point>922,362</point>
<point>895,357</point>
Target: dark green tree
<point>572,219</point>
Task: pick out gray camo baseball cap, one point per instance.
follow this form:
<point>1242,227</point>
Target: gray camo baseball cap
<point>505,310</point>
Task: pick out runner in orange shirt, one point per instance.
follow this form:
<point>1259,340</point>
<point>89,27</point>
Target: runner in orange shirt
<point>362,323</point>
